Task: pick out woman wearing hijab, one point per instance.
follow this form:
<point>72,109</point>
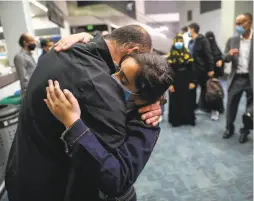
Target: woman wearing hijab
<point>181,93</point>
<point>218,107</point>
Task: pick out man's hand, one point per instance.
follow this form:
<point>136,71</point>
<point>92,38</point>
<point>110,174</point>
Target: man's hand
<point>192,86</point>
<point>233,52</point>
<point>171,88</point>
<point>66,42</point>
<point>151,113</point>
<point>219,63</point>
<point>63,105</point>
<point>210,73</point>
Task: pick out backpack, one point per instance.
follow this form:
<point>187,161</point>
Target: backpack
<point>214,90</point>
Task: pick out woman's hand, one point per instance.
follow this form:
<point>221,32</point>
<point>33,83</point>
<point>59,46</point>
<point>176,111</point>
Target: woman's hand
<point>171,88</point>
<point>66,42</point>
<point>219,63</point>
<point>192,86</point>
<point>63,105</point>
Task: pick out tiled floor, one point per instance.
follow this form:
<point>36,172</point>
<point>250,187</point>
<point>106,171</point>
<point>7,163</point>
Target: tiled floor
<point>196,164</point>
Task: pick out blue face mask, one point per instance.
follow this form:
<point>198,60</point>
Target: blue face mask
<point>189,34</point>
<point>127,92</point>
<point>240,29</point>
<point>178,45</point>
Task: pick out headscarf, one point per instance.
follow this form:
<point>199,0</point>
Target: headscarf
<point>213,44</point>
<point>181,56</point>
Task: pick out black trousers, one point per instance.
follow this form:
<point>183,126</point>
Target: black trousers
<point>217,106</point>
<point>201,77</point>
<point>240,84</point>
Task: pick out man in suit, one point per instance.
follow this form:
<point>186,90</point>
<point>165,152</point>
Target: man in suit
<point>239,51</point>
<point>24,61</point>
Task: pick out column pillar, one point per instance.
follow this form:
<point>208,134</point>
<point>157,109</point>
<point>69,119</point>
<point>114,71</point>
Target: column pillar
<point>140,11</point>
<point>66,30</point>
<point>227,20</point>
<point>16,19</point>
<point>227,25</point>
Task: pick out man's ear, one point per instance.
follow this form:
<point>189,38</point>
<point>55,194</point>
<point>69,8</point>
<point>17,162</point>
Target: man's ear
<point>133,50</point>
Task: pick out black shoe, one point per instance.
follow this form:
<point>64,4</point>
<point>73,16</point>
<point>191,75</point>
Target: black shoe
<point>244,135</point>
<point>228,133</point>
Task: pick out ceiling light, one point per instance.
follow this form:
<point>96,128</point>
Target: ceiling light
<point>39,5</point>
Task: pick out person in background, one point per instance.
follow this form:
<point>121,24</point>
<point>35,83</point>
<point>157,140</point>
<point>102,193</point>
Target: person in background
<point>46,45</point>
<point>104,33</point>
<point>24,61</point>
<point>186,37</point>
<point>203,61</point>
<point>181,91</point>
<point>217,107</point>
<point>239,51</point>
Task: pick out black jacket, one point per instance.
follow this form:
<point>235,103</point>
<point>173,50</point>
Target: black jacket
<point>202,54</point>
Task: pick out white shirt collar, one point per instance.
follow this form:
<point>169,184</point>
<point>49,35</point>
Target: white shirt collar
<point>250,37</point>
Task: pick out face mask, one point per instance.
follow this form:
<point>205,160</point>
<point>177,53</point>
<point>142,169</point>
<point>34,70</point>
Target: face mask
<point>189,34</point>
<point>240,29</point>
<point>31,46</point>
<point>127,92</point>
<point>178,45</point>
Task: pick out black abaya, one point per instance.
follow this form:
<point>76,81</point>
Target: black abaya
<point>182,101</point>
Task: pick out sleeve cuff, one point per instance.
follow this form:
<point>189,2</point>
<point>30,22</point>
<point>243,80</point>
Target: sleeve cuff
<point>71,135</point>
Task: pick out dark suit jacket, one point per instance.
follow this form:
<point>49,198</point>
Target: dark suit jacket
<point>234,42</point>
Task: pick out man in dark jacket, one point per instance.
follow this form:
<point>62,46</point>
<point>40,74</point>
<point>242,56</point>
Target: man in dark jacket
<point>203,60</point>
<point>38,167</point>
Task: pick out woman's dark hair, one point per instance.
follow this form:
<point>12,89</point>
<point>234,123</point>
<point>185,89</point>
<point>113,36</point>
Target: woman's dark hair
<point>154,76</point>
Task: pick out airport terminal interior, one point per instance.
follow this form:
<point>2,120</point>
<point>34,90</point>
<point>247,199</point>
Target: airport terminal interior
<point>204,151</point>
